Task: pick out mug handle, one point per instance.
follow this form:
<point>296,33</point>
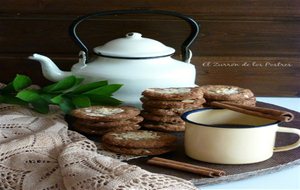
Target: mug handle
<point>291,146</point>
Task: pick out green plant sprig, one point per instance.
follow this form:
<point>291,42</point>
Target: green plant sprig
<point>68,94</point>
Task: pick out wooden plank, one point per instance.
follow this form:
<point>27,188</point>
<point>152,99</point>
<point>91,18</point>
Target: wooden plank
<point>250,43</point>
<point>266,76</point>
<point>10,65</point>
<point>225,8</point>
<point>217,38</point>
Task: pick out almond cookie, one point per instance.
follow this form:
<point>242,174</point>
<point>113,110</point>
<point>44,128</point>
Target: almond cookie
<point>117,123</point>
<point>101,131</point>
<point>167,112</point>
<point>173,93</point>
<point>139,139</point>
<point>166,119</point>
<point>105,113</point>
<point>164,112</point>
<point>224,92</point>
<point>164,104</point>
<point>165,127</point>
<point>137,151</point>
<point>246,102</point>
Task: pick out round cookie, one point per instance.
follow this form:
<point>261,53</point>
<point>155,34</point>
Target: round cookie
<point>224,92</point>
<point>167,112</point>
<point>101,131</point>
<point>164,112</point>
<point>105,113</point>
<point>245,102</point>
<point>84,129</point>
<point>165,127</point>
<point>182,93</point>
<point>139,139</point>
<point>166,119</point>
<point>137,151</point>
<point>118,123</point>
<point>183,104</point>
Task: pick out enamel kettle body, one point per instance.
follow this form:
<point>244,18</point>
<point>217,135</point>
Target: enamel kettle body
<point>134,61</point>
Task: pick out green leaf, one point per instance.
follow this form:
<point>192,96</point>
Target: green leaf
<point>40,105</point>
<point>28,95</point>
<point>9,88</point>
<point>57,99</point>
<point>81,101</point>
<point>20,82</point>
<point>103,100</point>
<point>78,81</point>
<point>67,93</point>
<point>105,90</point>
<point>48,97</point>
<point>62,85</point>
<point>90,86</point>
<point>13,100</point>
<point>66,105</point>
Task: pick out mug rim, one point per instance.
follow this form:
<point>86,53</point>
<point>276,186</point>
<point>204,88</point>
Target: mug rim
<point>186,114</point>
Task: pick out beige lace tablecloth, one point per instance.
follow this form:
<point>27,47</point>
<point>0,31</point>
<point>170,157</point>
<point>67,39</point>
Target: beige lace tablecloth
<point>39,152</point>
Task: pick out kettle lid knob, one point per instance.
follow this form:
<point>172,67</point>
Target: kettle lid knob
<point>134,35</point>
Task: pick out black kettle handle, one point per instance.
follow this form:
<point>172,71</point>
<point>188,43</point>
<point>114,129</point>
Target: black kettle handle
<point>184,47</point>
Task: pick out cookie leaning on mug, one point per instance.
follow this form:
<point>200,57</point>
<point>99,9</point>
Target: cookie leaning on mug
<point>227,93</point>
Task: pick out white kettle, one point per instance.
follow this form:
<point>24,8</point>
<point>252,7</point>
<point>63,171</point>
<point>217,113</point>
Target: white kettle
<point>134,61</point>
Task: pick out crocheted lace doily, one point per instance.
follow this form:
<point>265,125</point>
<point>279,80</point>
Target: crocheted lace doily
<point>39,152</point>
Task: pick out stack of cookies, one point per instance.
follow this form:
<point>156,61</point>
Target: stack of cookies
<point>162,107</point>
<point>139,142</point>
<point>231,94</point>
<point>98,120</point>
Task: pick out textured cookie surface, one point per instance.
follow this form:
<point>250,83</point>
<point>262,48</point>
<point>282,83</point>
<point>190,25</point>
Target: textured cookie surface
<point>164,104</point>
<point>117,123</point>
<point>167,119</point>
<point>137,151</point>
<point>139,139</point>
<point>105,113</point>
<point>101,131</point>
<point>224,92</point>
<point>173,93</point>
<point>165,127</point>
<point>167,112</point>
<point>246,102</point>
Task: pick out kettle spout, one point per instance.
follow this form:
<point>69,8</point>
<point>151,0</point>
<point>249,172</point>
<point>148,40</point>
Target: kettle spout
<point>49,69</point>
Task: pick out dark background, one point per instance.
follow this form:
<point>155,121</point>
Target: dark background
<point>261,37</point>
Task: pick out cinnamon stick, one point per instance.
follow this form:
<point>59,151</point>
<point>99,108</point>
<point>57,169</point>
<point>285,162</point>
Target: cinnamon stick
<point>269,113</point>
<point>210,172</point>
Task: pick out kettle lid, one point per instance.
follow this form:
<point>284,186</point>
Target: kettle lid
<point>134,46</point>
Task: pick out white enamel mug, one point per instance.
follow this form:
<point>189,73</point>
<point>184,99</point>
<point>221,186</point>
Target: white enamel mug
<point>227,137</point>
